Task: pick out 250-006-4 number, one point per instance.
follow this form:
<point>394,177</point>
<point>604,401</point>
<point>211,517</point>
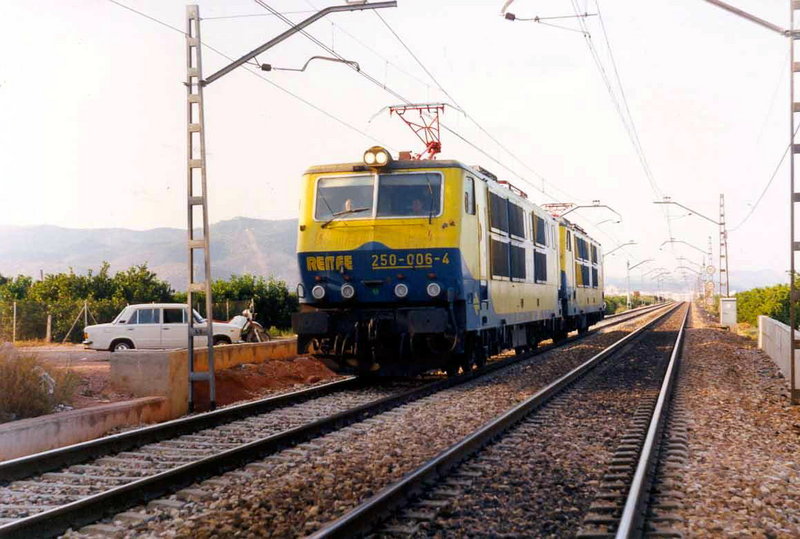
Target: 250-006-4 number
<point>409,260</point>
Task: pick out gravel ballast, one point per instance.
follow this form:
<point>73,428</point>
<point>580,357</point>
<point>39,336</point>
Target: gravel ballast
<point>295,491</point>
<point>742,476</point>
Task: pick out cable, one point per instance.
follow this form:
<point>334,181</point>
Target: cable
<point>626,117</point>
<point>473,120</point>
<point>257,74</point>
<point>399,96</point>
<point>246,15</point>
<point>766,187</point>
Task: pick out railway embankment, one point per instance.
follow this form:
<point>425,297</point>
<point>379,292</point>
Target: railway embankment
<point>742,473</point>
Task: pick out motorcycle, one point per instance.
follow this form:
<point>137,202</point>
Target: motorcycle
<point>251,330</point>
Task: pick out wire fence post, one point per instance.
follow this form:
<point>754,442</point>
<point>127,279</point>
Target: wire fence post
<point>14,325</point>
<point>48,337</point>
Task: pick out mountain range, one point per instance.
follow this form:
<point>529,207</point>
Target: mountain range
<point>240,245</point>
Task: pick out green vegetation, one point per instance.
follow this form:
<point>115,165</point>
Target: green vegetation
<point>772,301</point>
<point>28,388</point>
<point>62,295</point>
<point>616,304</point>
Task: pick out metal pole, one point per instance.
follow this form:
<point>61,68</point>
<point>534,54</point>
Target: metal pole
<point>49,332</point>
<point>291,31</point>
<point>628,293</point>
<point>14,325</point>
<point>85,313</point>
<point>793,343</point>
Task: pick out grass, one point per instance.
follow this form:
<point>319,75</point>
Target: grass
<point>29,388</point>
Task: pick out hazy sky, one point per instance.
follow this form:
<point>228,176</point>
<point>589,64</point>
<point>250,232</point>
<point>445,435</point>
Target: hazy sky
<point>92,111</point>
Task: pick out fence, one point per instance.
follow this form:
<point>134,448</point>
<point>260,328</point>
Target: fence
<point>27,320</point>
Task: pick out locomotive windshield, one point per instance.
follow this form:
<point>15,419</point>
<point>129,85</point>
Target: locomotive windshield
<point>347,197</point>
<point>399,195</point>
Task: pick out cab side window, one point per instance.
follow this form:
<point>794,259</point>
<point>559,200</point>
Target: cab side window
<point>469,195</point>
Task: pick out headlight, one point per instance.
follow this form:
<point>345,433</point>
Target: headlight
<point>377,157</point>
<point>348,291</point>
<point>301,291</point>
<point>433,289</point>
<point>400,290</point>
<point>318,291</point>
<point>382,157</point>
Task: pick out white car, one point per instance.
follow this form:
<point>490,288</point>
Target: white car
<point>154,325</point>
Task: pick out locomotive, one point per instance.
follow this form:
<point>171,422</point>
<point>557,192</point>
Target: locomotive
<point>411,265</point>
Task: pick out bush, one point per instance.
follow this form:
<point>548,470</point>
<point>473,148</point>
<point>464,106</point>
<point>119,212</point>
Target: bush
<point>28,388</point>
<point>772,301</point>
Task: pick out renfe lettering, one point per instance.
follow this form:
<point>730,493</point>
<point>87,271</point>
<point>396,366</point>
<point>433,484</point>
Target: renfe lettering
<point>329,262</point>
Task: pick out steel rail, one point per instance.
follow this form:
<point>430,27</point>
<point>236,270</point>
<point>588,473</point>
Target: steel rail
<point>53,459</point>
<point>361,520</point>
<point>635,505</point>
<point>46,461</point>
<point>95,507</point>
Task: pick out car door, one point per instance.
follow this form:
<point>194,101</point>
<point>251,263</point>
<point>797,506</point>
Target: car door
<point>145,327</point>
<point>173,327</point>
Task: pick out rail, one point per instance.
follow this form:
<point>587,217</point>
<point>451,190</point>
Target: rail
<point>361,520</point>
<point>94,507</point>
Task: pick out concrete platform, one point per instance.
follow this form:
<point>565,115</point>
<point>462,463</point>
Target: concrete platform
<point>29,436</point>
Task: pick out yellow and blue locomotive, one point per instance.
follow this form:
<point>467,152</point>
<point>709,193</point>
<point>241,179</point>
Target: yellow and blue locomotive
<point>409,265</point>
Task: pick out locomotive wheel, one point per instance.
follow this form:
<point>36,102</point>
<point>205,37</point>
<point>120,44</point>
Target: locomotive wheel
<point>480,357</point>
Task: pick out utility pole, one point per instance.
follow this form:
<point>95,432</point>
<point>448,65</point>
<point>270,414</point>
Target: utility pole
<point>197,194</point>
<point>794,197</point>
<point>723,249</point>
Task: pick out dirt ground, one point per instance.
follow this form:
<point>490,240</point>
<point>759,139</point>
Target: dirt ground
<point>253,381</point>
<point>245,382</point>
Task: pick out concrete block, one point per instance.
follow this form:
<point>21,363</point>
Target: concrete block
<point>29,436</point>
<point>166,372</point>
<point>774,340</point>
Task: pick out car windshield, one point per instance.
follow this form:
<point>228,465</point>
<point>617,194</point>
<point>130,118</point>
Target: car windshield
<point>346,197</point>
<point>409,195</point>
<point>122,318</point>
<point>417,194</point>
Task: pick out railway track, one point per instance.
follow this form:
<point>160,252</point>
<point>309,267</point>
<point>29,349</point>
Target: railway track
<point>48,493</point>
<point>524,473</point>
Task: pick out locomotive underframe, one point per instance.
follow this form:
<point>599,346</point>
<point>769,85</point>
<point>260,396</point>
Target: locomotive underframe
<point>392,341</point>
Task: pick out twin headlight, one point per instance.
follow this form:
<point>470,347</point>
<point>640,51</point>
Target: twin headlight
<point>377,157</point>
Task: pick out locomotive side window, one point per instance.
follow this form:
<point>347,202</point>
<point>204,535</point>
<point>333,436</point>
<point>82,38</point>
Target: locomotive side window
<point>594,254</point>
<point>498,212</point>
<point>469,195</point>
<point>539,230</point>
<point>594,278</point>
<point>346,197</point>
<point>409,195</point>
<point>569,241</point>
<point>539,267</point>
<point>516,221</point>
<point>517,263</point>
<point>499,259</point>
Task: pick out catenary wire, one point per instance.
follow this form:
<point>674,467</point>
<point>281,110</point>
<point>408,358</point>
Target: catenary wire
<point>256,74</point>
<point>402,98</point>
<point>766,187</point>
<point>463,110</point>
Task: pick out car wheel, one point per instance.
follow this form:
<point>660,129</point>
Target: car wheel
<point>121,345</point>
<point>221,340</point>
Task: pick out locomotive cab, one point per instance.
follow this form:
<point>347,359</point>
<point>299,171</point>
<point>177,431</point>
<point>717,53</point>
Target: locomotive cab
<point>380,264</point>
